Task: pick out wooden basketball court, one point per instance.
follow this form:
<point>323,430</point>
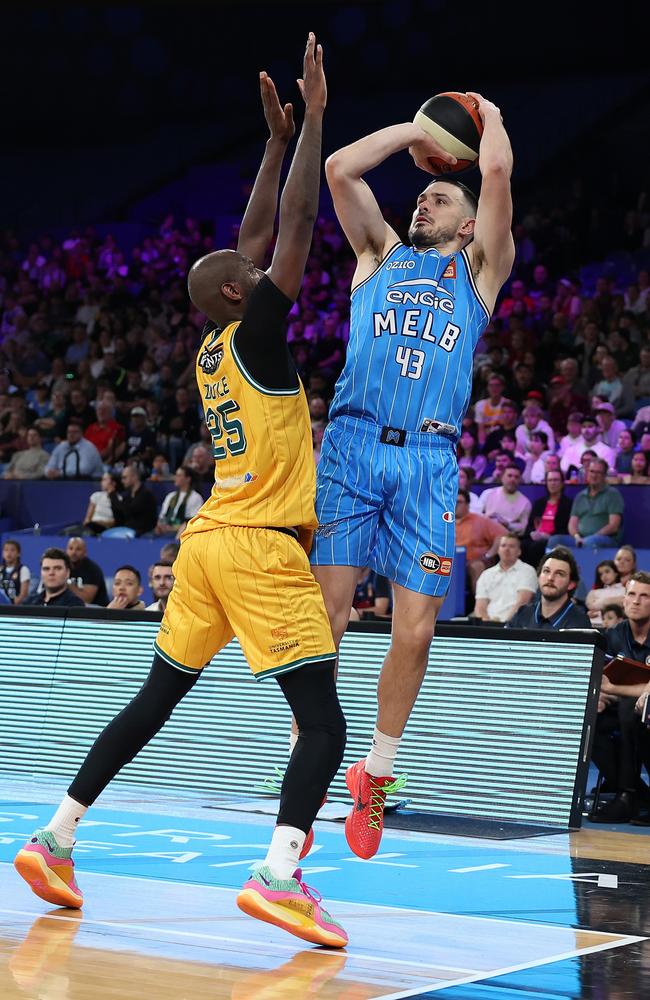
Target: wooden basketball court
<point>546,917</point>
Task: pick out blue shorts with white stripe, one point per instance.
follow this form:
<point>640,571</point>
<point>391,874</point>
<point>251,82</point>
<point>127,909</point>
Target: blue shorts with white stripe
<point>386,498</point>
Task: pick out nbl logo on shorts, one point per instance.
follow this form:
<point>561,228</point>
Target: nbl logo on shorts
<point>439,565</point>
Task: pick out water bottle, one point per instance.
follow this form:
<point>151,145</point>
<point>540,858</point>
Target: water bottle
<point>36,529</point>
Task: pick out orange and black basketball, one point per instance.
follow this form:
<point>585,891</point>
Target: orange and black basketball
<point>454,121</point>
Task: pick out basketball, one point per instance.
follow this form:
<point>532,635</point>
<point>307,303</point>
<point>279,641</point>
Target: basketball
<point>454,121</point>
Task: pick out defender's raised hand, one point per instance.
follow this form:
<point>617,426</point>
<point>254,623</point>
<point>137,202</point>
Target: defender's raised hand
<point>279,119</point>
<point>312,85</point>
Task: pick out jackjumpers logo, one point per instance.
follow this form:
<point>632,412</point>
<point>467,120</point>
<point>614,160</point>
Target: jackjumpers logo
<point>209,360</point>
<point>439,565</point>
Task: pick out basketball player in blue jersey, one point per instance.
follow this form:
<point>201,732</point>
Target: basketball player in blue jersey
<point>387,478</point>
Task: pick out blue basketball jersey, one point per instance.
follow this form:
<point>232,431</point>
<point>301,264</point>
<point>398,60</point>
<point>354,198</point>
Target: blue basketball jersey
<point>414,326</point>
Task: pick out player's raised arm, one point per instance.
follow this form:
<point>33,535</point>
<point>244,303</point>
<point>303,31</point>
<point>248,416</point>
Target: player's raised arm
<point>493,250</point>
<point>299,202</point>
<point>356,207</point>
<point>256,230</point>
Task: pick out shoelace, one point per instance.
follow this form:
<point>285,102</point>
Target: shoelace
<point>378,794</point>
<point>272,786</point>
<point>315,895</point>
<point>309,891</point>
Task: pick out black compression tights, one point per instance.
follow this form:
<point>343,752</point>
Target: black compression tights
<point>311,693</point>
<point>132,729</point>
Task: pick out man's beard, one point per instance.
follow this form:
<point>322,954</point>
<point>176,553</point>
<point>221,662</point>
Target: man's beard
<point>429,237</point>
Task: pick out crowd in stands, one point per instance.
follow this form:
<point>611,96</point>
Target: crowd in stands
<point>70,578</point>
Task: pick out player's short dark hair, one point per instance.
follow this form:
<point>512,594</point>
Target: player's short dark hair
<point>563,554</point>
<point>469,195</point>
<point>60,555</point>
<point>129,569</point>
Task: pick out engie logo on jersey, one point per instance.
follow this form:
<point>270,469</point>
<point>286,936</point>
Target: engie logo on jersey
<point>431,563</point>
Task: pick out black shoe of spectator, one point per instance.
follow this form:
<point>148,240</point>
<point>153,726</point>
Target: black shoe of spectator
<point>622,809</point>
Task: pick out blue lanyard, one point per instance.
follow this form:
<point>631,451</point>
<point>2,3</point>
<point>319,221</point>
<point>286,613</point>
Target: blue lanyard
<point>552,623</point>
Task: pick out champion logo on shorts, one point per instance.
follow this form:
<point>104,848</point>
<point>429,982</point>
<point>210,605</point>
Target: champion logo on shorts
<point>439,565</point>
<point>449,516</point>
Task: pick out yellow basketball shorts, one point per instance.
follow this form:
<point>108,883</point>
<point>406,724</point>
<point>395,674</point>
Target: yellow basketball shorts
<point>253,583</point>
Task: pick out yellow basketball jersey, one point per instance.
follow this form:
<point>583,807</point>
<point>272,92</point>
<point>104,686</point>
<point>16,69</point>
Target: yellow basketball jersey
<point>261,441</point>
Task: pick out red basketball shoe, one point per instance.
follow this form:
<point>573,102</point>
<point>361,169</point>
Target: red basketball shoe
<point>365,821</point>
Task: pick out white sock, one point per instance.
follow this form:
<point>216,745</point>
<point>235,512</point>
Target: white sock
<point>293,739</point>
<point>65,821</point>
<point>380,760</point>
<point>284,851</point>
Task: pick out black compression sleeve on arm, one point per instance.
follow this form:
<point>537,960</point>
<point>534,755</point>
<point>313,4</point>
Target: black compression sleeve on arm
<point>261,339</point>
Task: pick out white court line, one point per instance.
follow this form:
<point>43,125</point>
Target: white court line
<point>155,928</point>
<point>471,975</point>
<point>485,976</point>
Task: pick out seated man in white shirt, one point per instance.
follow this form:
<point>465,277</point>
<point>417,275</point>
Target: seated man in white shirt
<point>506,587</point>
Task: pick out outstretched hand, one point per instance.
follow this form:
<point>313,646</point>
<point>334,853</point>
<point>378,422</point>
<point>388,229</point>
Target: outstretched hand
<point>279,119</point>
<point>312,84</point>
<point>425,147</point>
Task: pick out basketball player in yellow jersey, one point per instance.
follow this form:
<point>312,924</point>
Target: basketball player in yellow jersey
<point>241,569</point>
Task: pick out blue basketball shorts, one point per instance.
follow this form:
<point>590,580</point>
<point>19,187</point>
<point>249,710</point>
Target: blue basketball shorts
<point>386,499</point>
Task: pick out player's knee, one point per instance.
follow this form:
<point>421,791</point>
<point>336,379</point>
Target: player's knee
<point>414,640</point>
<point>327,733</point>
